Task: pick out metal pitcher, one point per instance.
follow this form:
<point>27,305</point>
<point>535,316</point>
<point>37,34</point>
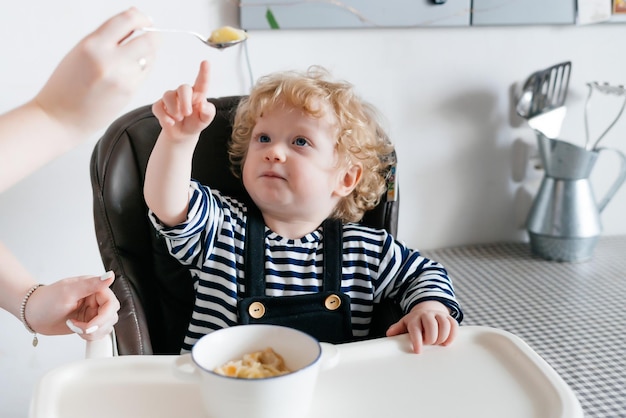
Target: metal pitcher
<point>564,220</point>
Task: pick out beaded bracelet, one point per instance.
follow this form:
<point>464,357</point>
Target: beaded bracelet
<point>23,313</point>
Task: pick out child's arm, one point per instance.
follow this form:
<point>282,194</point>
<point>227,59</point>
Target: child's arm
<point>183,113</point>
<point>428,323</point>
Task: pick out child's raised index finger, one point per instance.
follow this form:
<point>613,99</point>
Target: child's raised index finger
<point>201,85</point>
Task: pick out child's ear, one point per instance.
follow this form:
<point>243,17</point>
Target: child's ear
<point>350,179</point>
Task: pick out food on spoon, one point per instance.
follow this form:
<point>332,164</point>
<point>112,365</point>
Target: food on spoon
<point>257,365</point>
<point>227,34</point>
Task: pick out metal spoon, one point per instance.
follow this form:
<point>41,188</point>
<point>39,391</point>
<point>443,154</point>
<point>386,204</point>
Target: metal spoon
<point>524,100</point>
<point>204,39</point>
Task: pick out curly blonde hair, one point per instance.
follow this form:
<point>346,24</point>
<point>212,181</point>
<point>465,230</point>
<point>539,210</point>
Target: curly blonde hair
<point>360,136</point>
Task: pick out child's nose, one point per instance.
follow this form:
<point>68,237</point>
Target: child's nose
<point>275,154</point>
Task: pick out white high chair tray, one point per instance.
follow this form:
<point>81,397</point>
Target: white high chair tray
<point>485,373</point>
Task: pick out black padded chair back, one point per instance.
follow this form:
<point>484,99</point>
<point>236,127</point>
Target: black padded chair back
<point>155,291</point>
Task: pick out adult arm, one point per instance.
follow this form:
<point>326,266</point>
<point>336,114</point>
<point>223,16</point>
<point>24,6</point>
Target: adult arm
<point>85,301</point>
<point>92,83</point>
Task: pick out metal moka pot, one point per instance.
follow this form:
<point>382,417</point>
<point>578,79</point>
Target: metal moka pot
<point>564,220</point>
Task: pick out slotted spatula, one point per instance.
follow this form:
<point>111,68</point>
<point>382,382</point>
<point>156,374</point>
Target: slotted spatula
<point>542,100</point>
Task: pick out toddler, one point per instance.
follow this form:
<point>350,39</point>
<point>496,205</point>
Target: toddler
<point>311,155</point>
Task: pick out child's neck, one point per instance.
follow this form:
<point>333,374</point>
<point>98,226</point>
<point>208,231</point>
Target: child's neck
<point>292,228</point>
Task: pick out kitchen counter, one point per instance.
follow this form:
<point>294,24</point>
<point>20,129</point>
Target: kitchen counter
<point>571,314</point>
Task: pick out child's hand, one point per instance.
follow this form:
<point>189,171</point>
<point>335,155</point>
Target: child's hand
<point>183,113</point>
<point>428,323</point>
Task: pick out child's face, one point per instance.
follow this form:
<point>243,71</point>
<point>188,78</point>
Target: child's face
<point>291,168</point>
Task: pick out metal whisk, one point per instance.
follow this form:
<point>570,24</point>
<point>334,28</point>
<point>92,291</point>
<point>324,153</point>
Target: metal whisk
<point>603,88</point>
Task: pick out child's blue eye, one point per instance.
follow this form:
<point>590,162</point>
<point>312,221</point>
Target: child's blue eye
<point>264,138</point>
<point>300,141</point>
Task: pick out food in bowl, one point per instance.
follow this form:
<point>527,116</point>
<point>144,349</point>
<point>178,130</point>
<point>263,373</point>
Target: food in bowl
<point>256,365</point>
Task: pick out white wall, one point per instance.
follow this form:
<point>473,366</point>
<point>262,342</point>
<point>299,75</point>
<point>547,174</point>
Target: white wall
<point>444,92</point>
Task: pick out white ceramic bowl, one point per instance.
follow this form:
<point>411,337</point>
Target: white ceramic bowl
<point>284,396</point>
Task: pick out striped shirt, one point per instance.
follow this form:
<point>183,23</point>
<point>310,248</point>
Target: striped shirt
<point>374,265</point>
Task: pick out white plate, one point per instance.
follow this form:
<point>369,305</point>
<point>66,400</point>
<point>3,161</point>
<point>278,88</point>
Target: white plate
<point>485,373</point>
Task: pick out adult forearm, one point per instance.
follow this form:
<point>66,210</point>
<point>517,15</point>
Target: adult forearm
<point>14,282</point>
<point>29,139</point>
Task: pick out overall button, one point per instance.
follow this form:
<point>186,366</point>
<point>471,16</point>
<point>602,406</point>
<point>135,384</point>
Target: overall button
<point>256,310</point>
<point>332,302</point>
